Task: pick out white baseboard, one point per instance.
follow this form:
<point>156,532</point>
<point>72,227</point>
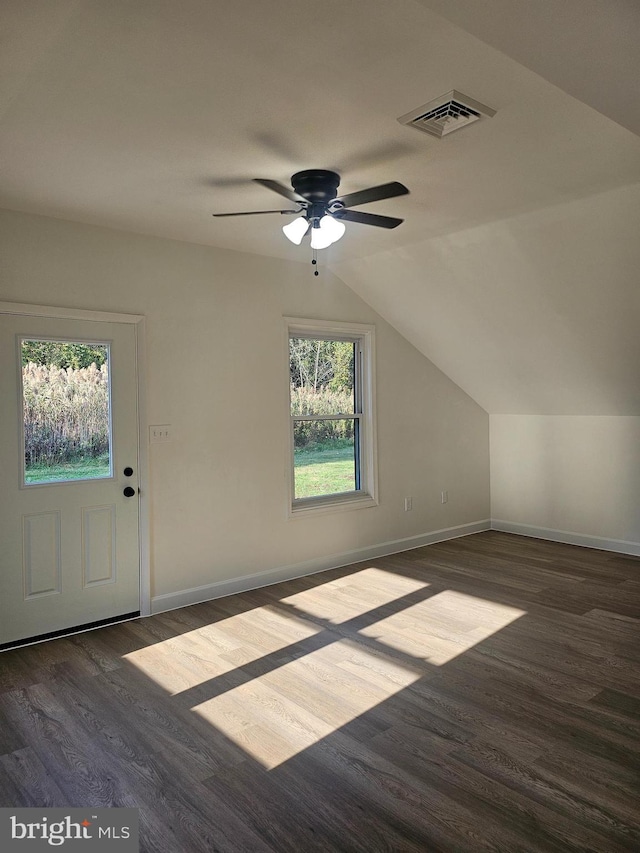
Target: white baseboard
<point>620,546</point>
<point>173,600</point>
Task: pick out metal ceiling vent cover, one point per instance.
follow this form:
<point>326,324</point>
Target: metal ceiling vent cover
<point>447,113</point>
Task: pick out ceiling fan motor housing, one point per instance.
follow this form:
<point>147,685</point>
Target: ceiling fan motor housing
<point>316,185</point>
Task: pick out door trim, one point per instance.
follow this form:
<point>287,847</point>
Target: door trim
<point>138,321</point>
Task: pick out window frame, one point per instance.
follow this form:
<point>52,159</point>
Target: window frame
<point>363,336</point>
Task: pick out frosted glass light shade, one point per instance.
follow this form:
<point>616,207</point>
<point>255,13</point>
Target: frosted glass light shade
<point>329,232</point>
<point>296,230</point>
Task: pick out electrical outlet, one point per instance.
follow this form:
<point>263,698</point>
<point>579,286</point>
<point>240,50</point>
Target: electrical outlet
<point>444,496</point>
<point>160,432</point>
<point>408,504</point>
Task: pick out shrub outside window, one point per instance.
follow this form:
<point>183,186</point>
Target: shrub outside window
<point>331,406</point>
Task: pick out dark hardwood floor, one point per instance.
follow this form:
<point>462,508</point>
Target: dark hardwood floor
<point>479,694</point>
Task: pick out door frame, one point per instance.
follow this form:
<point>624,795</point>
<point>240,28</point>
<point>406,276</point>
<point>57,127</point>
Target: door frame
<point>138,322</point>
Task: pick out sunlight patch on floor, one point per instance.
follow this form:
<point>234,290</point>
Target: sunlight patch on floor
<point>304,694</point>
<point>196,656</point>
<point>297,705</point>
<point>442,627</point>
<point>354,594</point>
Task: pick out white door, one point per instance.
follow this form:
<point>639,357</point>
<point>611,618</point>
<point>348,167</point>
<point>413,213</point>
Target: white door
<point>69,550</point>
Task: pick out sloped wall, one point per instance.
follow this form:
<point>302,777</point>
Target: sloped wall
<point>535,314</point>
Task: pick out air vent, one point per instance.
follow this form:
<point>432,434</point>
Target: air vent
<point>447,113</point>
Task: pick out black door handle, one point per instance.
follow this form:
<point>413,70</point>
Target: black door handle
<point>128,492</point>
<point>128,471</point>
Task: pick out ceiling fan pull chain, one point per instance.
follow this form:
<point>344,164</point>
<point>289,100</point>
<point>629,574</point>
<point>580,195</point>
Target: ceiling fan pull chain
<point>314,260</point>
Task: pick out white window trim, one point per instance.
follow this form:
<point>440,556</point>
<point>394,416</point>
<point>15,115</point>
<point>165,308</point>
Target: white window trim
<point>367,496</point>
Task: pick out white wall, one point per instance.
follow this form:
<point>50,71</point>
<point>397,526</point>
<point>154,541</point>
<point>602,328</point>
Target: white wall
<point>561,475</point>
<point>218,489</point>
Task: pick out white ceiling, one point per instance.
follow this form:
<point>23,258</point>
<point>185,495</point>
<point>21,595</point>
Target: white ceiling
<point>149,116</point>
<point>588,48</point>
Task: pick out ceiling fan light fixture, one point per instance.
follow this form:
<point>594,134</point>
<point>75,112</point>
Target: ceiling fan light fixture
<point>329,231</point>
<point>319,209</point>
<point>296,230</point>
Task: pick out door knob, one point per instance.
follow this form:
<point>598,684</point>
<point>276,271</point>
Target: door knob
<point>128,492</point>
<point>128,471</point>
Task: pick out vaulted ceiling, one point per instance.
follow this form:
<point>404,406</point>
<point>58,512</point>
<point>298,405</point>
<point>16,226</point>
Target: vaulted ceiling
<point>516,268</point>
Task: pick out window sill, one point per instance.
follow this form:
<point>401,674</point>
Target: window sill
<point>333,503</point>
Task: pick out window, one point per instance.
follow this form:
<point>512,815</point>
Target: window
<point>331,415</point>
<point>66,429</point>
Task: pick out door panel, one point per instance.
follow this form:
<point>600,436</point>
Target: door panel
<point>69,549</point>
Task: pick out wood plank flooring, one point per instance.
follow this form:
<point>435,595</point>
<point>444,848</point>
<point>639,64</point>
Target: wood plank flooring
<point>479,694</point>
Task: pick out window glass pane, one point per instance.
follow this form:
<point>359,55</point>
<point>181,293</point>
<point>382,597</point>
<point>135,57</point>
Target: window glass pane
<point>325,457</point>
<point>322,376</point>
<point>65,392</point>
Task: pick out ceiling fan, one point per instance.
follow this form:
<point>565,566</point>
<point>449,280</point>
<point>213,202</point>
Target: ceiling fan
<point>322,211</point>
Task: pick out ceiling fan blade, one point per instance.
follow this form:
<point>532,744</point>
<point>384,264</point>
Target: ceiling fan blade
<point>280,189</point>
<point>373,194</point>
<point>254,212</point>
<point>368,218</point>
